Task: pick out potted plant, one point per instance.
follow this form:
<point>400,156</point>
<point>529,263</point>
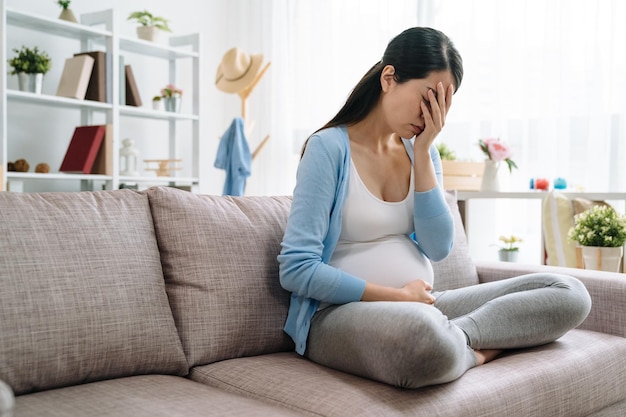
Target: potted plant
<point>510,250</point>
<point>66,12</point>
<point>446,153</point>
<point>172,97</point>
<point>149,25</point>
<point>30,65</point>
<point>156,103</point>
<point>601,232</point>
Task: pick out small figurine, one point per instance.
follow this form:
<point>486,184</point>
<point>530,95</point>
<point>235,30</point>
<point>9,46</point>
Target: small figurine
<point>560,183</point>
<point>164,169</point>
<point>21,165</point>
<point>42,168</point>
<point>129,159</point>
<point>539,184</point>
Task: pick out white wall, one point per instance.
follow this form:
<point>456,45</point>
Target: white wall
<point>222,24</point>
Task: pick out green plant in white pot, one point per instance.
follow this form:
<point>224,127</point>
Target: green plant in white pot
<point>149,25</point>
<point>510,250</point>
<point>601,232</point>
<point>30,65</point>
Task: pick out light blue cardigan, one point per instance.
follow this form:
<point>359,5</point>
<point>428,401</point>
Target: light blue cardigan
<point>314,226</point>
<point>233,156</point>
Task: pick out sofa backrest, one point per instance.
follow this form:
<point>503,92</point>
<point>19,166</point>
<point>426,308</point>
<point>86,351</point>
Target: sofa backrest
<point>82,295</point>
<point>458,269</point>
<point>221,273</point>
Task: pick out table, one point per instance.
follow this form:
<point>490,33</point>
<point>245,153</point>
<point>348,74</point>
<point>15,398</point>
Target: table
<point>464,198</point>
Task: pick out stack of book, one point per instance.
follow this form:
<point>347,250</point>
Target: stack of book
<point>84,77</point>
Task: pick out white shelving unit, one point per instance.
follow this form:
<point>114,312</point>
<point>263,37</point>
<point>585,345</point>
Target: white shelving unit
<point>100,31</point>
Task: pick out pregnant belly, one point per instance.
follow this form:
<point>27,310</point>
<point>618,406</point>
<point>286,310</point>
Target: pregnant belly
<point>392,261</point>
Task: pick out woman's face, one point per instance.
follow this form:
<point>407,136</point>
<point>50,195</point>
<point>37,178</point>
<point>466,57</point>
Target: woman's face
<point>401,101</point>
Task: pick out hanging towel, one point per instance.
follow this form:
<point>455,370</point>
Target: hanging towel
<point>233,156</point>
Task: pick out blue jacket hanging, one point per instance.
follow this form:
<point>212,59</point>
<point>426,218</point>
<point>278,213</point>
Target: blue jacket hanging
<point>233,156</point>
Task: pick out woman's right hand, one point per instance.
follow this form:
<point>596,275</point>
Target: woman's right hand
<point>419,291</point>
<point>416,291</point>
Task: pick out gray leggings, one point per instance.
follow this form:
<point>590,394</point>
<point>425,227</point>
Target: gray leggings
<point>411,345</point>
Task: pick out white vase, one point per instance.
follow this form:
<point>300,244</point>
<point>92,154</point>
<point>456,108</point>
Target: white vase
<point>490,181</point>
<point>508,255</point>
<point>172,104</point>
<point>602,259</point>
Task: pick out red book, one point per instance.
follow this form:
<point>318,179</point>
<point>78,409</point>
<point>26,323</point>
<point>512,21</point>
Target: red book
<point>83,149</point>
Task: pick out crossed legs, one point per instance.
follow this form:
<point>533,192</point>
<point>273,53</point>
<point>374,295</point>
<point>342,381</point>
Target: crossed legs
<point>412,345</point>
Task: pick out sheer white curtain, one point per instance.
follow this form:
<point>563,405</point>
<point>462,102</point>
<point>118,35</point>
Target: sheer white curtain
<point>319,50</point>
<point>548,77</point>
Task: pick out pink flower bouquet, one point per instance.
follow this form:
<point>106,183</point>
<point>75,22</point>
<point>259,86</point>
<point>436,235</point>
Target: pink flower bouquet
<point>171,90</point>
<point>497,151</point>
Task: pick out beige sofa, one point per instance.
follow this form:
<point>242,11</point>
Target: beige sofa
<point>167,303</point>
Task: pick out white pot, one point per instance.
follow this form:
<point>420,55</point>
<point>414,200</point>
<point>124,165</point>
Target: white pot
<point>508,255</point>
<point>490,181</point>
<point>30,82</point>
<point>602,259</point>
<point>147,33</point>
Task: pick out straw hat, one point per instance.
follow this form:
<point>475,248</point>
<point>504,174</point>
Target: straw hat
<point>237,70</point>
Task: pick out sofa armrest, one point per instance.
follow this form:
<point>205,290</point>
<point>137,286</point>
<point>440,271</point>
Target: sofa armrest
<point>607,290</point>
<point>7,400</point>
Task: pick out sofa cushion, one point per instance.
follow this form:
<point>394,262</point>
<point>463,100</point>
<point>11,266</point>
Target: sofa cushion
<point>558,217</point>
<point>579,374</point>
<point>83,296</point>
<point>458,269</point>
<point>143,396</point>
<point>219,261</point>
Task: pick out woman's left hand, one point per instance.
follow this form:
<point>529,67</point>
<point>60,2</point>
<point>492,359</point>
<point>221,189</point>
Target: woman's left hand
<point>435,116</point>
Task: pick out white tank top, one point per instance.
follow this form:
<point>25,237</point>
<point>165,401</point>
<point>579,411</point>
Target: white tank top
<point>374,243</point>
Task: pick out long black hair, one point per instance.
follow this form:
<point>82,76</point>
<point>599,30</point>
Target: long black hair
<point>414,54</point>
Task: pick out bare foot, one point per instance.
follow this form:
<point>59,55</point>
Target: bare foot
<point>486,355</point>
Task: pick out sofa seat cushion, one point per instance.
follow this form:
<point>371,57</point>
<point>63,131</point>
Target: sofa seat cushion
<point>221,272</point>
<point>82,292</point>
<point>579,374</point>
<point>142,396</point>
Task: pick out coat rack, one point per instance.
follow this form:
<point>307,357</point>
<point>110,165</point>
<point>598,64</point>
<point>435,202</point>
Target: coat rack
<point>244,94</point>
